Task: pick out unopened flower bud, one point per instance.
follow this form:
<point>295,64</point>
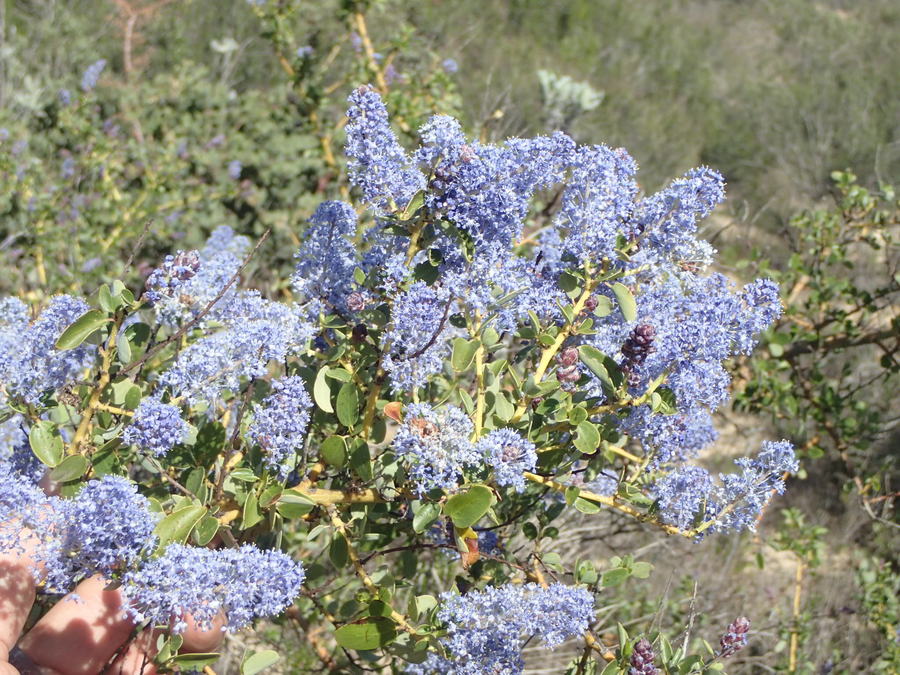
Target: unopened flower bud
<point>591,303</point>
<point>568,356</point>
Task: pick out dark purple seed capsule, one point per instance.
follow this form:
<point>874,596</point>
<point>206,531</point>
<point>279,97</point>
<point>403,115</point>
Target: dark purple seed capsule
<point>356,301</point>
<point>735,637</point>
<point>642,659</point>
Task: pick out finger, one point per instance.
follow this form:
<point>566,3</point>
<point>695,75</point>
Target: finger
<point>199,640</point>
<point>77,637</point>
<point>137,659</point>
<point>16,590</point>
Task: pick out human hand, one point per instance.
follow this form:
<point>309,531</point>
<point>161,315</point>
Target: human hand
<point>78,636</point>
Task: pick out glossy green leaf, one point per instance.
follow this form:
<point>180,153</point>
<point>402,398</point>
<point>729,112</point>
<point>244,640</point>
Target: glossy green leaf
<point>424,515</point>
<point>466,508</point>
<point>369,633</point>
<point>81,329</point>
<point>70,468</point>
<point>348,404</point>
<point>626,301</point>
<point>292,504</point>
<point>256,662</point>
<point>463,353</point>
<point>206,529</point>
<point>334,450</point>
<point>46,443</point>
<point>177,526</point>
<point>321,390</point>
<point>588,437</point>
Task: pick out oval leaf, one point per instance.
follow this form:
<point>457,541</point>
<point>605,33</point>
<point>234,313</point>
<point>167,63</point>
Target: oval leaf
<point>70,468</point>
<point>348,404</point>
<point>177,526</point>
<point>588,437</point>
<point>46,443</point>
<point>369,633</point>
<point>79,331</point>
<point>321,390</point>
<point>258,661</point>
<point>626,301</point>
<point>334,450</point>
<point>466,508</point>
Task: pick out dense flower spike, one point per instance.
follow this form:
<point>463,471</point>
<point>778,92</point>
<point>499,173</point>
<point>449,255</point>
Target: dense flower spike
<point>105,529</point>
<point>242,584</point>
<point>156,427</point>
<point>436,446</point>
<point>378,164</point>
<point>326,260</point>
<point>92,75</point>
<point>487,629</point>
<point>417,339</point>
<point>30,364</point>
<point>509,455</point>
<point>735,637</point>
<point>280,421</point>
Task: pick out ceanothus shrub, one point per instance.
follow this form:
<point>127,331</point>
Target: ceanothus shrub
<point>468,358</point>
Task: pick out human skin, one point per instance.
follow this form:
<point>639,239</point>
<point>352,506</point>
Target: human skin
<point>78,636</point>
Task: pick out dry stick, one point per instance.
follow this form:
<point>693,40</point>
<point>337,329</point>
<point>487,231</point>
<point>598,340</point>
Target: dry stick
<point>795,633</point>
<point>206,310</point>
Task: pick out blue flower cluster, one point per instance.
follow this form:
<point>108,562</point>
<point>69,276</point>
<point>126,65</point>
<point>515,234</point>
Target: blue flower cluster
<point>30,364</point>
<point>509,455</point>
<point>688,494</point>
<point>156,427</point>
<point>280,421</point>
<point>487,629</point>
<point>106,528</point>
<point>236,584</point>
<point>416,342</point>
<point>378,164</point>
<point>326,260</point>
<point>91,75</point>
<point>435,445</point>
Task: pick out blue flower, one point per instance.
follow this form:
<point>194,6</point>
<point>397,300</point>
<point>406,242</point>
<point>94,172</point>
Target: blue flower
<point>509,455</point>
<point>156,427</point>
<point>92,74</point>
<point>243,584</point>
<point>279,423</point>
<point>435,446</point>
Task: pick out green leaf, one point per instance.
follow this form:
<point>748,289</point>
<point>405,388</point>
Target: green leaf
<point>463,353</point>
<point>348,404</point>
<point>250,514</point>
<point>359,276</point>
<point>369,633</point>
<point>586,506</point>
<point>588,437</point>
<point>466,508</point>
<point>641,570</point>
<point>80,330</point>
<point>361,460</point>
<point>70,468</point>
<point>292,504</point>
<point>613,577</point>
<point>46,443</point>
<point>338,551</point>
<point>177,526</point>
<point>663,401</point>
<point>123,347</point>
<point>244,474</point>
<point>424,515</point>
<point>256,662</point>
<point>334,450</point>
<point>602,366</point>
<point>321,390</point>
<point>604,306</point>
<point>626,301</point>
<point>206,529</point>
